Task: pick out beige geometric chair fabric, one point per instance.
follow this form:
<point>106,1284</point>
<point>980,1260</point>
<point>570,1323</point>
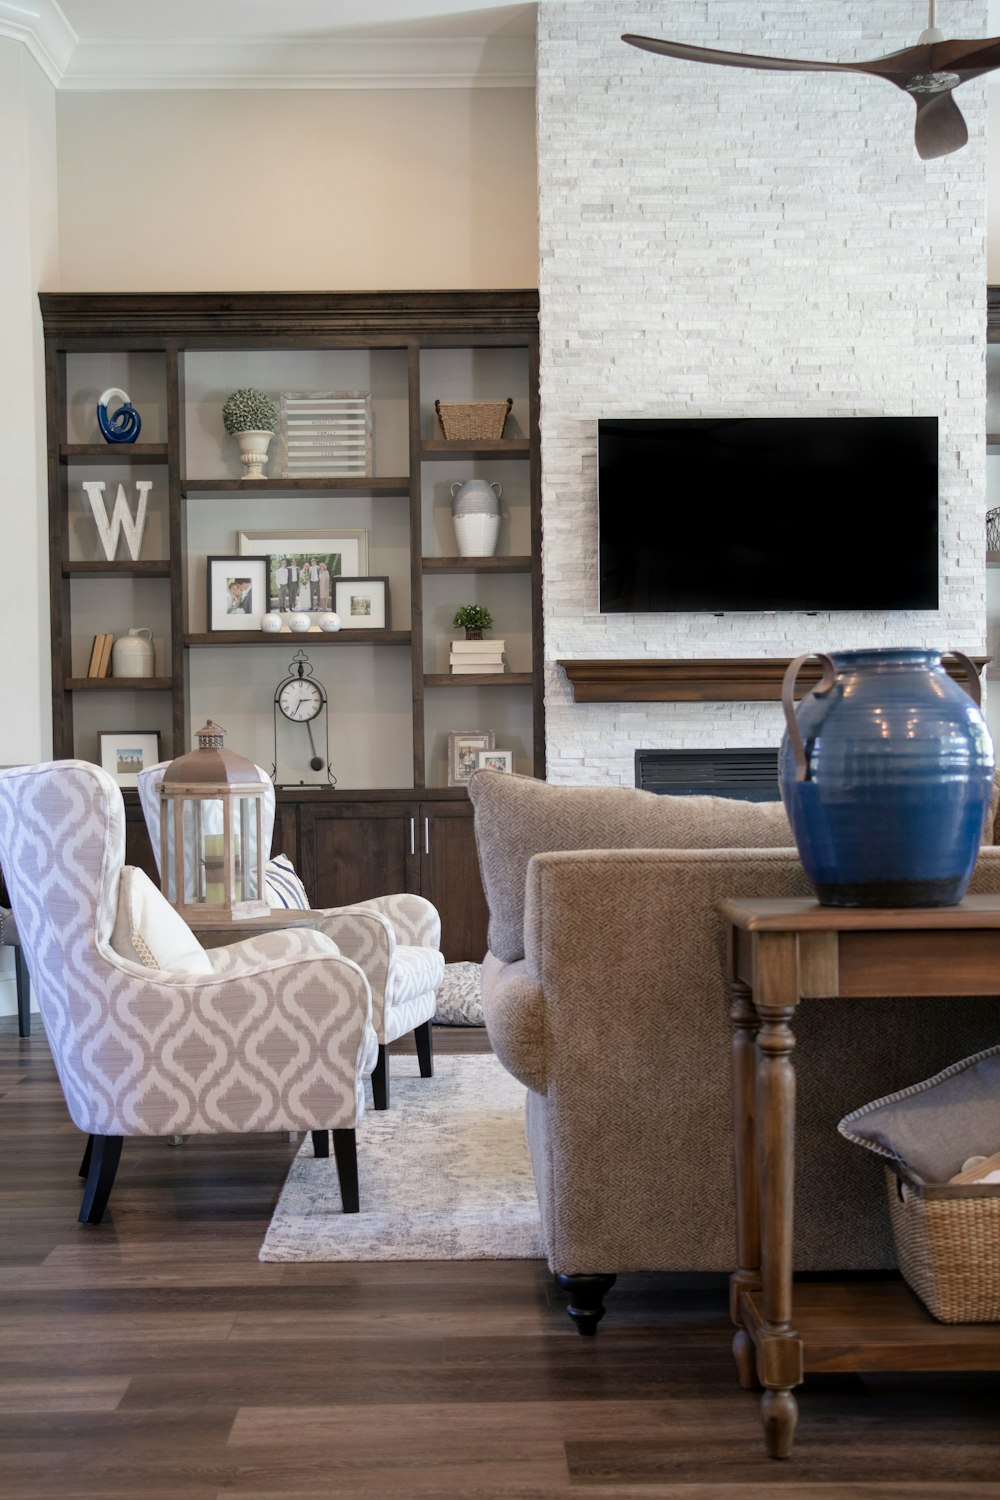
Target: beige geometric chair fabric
<point>277,1036</point>
<point>395,939</point>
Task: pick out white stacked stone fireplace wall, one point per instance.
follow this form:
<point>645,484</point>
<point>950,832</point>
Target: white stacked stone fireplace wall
<point>720,241</point>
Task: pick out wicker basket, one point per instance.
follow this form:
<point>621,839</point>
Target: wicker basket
<point>462,421</point>
<point>948,1246</point>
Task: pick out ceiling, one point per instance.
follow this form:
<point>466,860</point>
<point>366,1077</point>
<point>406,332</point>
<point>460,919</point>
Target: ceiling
<point>141,44</point>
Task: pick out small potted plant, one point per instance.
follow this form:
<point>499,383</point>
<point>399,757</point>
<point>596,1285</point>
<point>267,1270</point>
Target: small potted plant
<point>474,619</point>
<point>251,417</point>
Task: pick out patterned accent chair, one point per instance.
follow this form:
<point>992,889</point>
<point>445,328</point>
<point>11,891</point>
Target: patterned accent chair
<point>273,1033</point>
<point>395,939</point>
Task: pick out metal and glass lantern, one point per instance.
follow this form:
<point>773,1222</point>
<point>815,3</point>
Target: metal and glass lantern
<point>211,834</point>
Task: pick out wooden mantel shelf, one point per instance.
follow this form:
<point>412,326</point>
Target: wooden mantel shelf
<point>740,679</point>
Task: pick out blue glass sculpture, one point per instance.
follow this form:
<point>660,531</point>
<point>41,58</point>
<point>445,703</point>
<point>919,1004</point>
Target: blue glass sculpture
<point>124,425</point>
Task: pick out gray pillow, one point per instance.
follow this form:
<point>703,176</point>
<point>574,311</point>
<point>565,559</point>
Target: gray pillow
<point>517,817</point>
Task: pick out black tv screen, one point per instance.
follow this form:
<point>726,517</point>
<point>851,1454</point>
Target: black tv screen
<point>767,513</point>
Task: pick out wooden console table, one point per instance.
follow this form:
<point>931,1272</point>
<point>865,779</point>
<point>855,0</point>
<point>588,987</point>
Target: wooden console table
<point>781,952</point>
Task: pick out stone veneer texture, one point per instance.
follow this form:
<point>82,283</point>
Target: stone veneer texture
<point>721,241</point>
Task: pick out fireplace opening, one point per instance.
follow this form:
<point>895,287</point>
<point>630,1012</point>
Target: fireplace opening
<point>750,775</point>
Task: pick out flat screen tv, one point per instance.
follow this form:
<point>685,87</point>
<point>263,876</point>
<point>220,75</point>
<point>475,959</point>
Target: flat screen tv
<point>728,514</point>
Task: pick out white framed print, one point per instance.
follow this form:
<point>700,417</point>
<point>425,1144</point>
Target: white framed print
<point>236,593</point>
<point>345,550</point>
<point>463,753</point>
<point>495,760</point>
<point>126,752</point>
<point>362,603</point>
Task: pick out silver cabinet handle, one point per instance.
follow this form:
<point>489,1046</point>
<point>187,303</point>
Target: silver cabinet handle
<point>427,835</point>
<point>413,835</point>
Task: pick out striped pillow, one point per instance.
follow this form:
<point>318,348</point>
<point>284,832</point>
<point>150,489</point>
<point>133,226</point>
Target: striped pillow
<point>282,886</point>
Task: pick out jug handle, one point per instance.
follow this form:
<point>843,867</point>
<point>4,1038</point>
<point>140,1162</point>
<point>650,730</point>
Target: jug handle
<point>975,685</point>
<point>143,630</point>
<point>498,488</point>
<point>456,486</point>
<point>826,682</point>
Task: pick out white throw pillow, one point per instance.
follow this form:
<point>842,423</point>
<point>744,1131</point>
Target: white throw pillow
<point>282,887</point>
<point>149,932</point>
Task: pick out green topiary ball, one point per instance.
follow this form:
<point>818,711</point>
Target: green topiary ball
<point>249,410</point>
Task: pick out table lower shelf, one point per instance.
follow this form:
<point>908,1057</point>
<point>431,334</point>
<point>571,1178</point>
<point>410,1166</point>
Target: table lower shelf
<point>876,1325</point>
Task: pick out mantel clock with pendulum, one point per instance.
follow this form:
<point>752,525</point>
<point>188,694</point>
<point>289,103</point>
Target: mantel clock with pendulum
<point>301,718</point>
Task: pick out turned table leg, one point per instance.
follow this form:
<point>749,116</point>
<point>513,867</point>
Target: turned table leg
<point>747,1275</point>
<point>779,1350</point>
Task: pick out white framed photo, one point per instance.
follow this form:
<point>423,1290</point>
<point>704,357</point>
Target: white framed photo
<point>345,550</point>
<point>126,752</point>
<point>362,603</point>
<point>237,592</point>
<point>463,753</point>
<point>495,760</point>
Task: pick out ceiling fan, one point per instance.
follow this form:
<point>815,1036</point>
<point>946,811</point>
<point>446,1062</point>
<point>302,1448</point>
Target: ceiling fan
<point>929,71</point>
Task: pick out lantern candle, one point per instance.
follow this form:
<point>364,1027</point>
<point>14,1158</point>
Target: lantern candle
<point>215,863</point>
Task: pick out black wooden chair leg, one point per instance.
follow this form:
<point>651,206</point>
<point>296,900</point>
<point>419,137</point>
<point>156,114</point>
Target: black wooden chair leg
<point>105,1154</point>
<point>321,1142</point>
<point>345,1149</point>
<point>586,1298</point>
<point>425,1049</point>
<point>23,992</point>
<point>380,1079</point>
<point>87,1151</point>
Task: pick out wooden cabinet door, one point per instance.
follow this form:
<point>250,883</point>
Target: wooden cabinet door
<point>352,851</point>
<point>449,876</point>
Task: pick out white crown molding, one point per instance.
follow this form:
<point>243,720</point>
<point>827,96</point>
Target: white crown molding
<point>282,62</point>
<point>44,30</point>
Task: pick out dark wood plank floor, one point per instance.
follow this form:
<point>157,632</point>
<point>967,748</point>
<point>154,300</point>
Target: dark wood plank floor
<point>156,1356</point>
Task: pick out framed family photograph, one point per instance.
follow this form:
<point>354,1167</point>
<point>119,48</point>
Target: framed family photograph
<point>126,752</point>
<point>302,565</point>
<point>237,592</point>
<point>463,753</point>
<point>495,760</point>
<point>362,603</point>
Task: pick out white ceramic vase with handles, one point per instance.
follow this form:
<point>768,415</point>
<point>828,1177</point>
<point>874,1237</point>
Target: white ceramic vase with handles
<point>476,515</point>
<point>132,655</point>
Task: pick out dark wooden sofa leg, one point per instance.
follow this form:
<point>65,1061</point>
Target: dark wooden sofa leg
<point>380,1079</point>
<point>87,1152</point>
<point>425,1049</point>
<point>345,1150</point>
<point>321,1142</point>
<point>23,992</point>
<point>586,1298</point>
<point>105,1154</point>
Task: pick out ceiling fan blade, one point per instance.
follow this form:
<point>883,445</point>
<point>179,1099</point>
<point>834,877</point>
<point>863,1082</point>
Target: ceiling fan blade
<point>733,59</point>
<point>940,128</point>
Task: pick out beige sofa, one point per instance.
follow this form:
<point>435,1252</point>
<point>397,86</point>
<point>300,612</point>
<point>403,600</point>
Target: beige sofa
<point>604,994</point>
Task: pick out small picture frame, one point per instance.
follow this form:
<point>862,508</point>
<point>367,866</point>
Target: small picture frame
<point>126,752</point>
<point>362,603</point>
<point>237,593</point>
<point>495,760</point>
<point>463,753</point>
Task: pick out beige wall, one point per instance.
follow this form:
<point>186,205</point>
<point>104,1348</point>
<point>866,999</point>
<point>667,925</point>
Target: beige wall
<point>28,259</point>
<point>297,190</point>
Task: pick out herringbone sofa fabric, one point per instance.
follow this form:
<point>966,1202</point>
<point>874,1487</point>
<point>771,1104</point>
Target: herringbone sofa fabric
<point>277,1036</point>
<point>517,816</point>
<point>617,1020</point>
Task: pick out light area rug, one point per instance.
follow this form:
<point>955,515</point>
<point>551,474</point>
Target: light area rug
<point>444,1175</point>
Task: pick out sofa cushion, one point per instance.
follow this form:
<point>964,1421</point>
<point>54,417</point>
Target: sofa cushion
<point>282,887</point>
<point>148,931</point>
<point>517,817</point>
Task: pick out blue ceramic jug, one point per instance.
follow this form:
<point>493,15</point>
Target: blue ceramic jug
<point>886,770</point>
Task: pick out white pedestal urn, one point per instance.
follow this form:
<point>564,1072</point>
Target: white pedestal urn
<point>253,451</point>
<point>476,516</point>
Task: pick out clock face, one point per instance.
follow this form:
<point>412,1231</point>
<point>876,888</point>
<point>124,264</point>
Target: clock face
<point>300,700</point>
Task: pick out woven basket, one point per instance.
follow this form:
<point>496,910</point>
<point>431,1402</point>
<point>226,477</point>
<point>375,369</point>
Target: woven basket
<point>465,420</point>
<point>948,1246</point>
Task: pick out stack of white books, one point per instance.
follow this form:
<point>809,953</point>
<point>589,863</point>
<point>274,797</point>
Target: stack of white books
<point>471,658</point>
